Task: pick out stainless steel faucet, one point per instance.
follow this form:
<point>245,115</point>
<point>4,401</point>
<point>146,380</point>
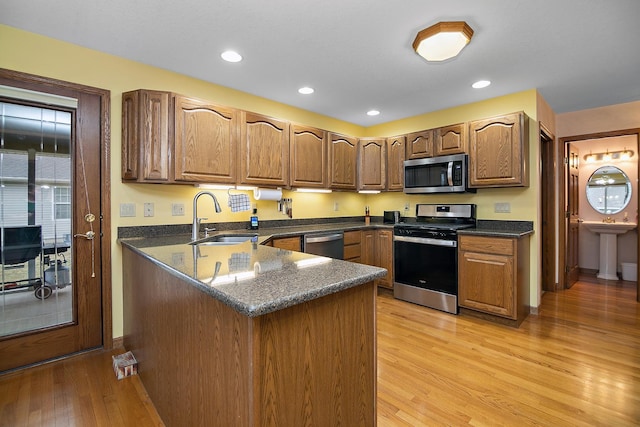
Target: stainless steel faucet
<point>196,220</point>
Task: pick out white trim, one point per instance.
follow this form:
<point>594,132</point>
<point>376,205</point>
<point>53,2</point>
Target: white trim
<point>31,95</point>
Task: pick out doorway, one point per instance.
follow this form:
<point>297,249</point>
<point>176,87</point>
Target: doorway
<point>54,222</point>
<point>565,223</point>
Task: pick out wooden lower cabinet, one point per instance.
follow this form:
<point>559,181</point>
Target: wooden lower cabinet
<point>377,250</point>
<point>204,363</point>
<point>288,243</point>
<point>352,246</point>
<point>493,276</point>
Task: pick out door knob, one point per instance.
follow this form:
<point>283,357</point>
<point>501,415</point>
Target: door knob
<point>89,235</point>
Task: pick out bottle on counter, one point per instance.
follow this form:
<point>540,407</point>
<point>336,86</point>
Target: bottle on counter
<point>367,216</point>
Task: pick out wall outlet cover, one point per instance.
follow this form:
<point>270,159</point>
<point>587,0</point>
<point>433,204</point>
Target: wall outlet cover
<point>148,209</point>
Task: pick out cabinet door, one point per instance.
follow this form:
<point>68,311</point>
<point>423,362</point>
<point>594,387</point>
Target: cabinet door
<point>486,283</point>
<point>206,140</point>
<point>145,136</point>
<point>264,153</point>
<point>372,160</point>
<point>384,256</point>
<point>367,247</point>
<point>498,152</point>
<point>308,157</point>
<point>420,144</point>
<point>343,151</point>
<point>451,140</point>
<point>395,163</point>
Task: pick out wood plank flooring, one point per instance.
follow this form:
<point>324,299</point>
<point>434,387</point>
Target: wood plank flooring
<point>577,363</point>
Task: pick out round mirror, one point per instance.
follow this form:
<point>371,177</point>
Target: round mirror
<point>608,190</point>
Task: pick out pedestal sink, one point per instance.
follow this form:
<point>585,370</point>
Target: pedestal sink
<point>608,232</point>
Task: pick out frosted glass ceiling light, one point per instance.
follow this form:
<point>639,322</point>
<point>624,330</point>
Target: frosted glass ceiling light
<point>373,112</point>
<point>231,56</point>
<point>306,90</point>
<point>443,40</point>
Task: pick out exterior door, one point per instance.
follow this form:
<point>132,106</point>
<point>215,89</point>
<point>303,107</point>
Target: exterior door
<point>51,220</point>
<point>573,215</point>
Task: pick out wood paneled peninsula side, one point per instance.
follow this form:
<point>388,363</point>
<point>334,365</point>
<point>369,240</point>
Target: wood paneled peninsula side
<point>250,335</point>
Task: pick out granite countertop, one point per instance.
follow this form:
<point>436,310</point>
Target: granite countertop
<point>251,278</point>
<point>493,228</point>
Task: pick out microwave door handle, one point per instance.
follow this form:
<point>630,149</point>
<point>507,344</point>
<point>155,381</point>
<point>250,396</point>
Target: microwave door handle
<point>450,173</point>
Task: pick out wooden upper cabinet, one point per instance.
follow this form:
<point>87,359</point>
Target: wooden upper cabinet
<point>264,152</point>
<point>372,164</point>
<point>308,157</point>
<point>206,140</point>
<point>451,140</point>
<point>498,151</point>
<point>395,163</point>
<point>420,144</point>
<point>145,136</point>
<point>343,154</point>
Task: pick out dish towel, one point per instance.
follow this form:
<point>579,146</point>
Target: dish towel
<point>239,202</point>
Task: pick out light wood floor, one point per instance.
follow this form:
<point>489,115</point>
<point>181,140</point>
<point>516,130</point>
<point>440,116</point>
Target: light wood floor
<point>576,363</point>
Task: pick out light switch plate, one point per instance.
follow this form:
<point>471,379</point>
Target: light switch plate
<point>127,209</point>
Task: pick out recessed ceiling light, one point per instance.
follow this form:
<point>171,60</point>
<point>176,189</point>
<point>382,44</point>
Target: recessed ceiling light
<point>306,90</point>
<point>231,56</point>
<point>373,112</point>
<point>481,84</point>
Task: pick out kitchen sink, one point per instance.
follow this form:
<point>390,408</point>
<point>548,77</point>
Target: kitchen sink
<point>226,239</point>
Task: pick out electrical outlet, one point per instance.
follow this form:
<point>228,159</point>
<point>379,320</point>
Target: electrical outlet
<point>406,206</point>
<point>502,207</point>
<point>148,209</point>
<point>177,209</point>
<point>127,209</point>
<point>336,207</point>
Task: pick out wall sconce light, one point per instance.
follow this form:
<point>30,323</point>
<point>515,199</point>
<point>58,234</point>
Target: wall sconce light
<point>443,40</point>
<point>609,156</point>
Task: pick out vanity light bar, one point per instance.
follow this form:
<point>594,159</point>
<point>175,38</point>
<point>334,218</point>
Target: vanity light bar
<point>609,156</point>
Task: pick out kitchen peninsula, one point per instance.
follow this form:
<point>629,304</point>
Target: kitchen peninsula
<point>250,335</point>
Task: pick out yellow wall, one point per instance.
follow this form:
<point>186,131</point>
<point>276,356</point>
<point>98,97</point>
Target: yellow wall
<point>31,53</point>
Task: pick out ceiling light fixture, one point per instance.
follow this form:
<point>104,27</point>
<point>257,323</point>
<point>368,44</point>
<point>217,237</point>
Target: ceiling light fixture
<point>373,112</point>
<point>480,84</point>
<point>443,40</point>
<point>306,90</point>
<point>231,56</point>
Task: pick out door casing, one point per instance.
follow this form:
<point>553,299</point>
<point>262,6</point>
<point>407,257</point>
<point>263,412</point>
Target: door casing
<point>48,85</point>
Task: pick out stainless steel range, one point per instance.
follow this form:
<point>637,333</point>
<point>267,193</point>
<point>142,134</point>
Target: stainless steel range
<point>426,255</point>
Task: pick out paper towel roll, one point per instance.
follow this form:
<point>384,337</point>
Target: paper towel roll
<point>265,194</point>
<point>263,266</point>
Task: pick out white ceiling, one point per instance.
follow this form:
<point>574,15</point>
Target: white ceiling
<point>357,53</point>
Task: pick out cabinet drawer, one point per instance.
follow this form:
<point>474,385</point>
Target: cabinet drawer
<point>289,243</point>
<point>352,252</point>
<point>484,244</point>
<point>352,237</point>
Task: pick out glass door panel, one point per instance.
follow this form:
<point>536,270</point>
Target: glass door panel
<point>36,286</point>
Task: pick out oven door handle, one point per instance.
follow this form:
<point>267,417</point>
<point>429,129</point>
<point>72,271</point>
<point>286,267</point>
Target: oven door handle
<point>426,241</point>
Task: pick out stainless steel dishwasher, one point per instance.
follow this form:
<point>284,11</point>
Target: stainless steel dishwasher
<point>325,244</point>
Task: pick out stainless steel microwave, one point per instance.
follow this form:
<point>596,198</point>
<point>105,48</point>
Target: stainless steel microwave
<point>444,174</point>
